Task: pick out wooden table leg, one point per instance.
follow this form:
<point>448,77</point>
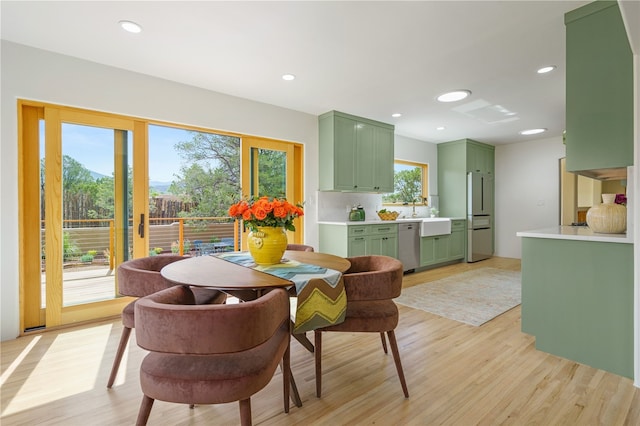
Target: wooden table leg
<point>304,341</point>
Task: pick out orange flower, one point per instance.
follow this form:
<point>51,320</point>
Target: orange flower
<point>266,212</point>
<point>280,211</point>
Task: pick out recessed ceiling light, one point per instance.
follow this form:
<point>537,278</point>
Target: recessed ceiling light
<point>396,115</point>
<point>440,128</point>
<point>455,95</point>
<point>130,26</point>
<point>288,77</point>
<point>532,131</point>
<point>545,70</point>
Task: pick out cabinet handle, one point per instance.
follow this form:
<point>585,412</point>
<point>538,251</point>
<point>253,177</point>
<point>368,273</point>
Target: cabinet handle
<point>383,229</point>
<point>358,230</point>
<point>358,239</point>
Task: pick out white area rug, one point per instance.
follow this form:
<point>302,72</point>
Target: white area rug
<point>472,297</point>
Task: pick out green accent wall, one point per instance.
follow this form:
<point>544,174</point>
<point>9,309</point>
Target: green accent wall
<point>577,300</point>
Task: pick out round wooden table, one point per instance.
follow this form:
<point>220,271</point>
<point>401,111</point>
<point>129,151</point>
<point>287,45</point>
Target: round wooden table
<point>210,271</point>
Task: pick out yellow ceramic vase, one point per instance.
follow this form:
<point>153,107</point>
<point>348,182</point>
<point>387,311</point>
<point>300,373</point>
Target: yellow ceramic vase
<point>267,244</point>
<point>608,217</point>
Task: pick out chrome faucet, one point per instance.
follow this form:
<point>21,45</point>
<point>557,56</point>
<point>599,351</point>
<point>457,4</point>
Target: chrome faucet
<point>414,209</point>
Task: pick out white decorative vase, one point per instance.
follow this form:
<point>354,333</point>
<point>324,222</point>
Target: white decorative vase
<point>608,217</point>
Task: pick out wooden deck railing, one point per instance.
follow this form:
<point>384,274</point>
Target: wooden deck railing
<point>96,237</point>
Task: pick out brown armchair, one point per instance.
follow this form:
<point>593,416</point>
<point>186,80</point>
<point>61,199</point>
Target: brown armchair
<point>299,247</point>
<point>370,283</point>
<point>211,354</point>
<point>141,277</point>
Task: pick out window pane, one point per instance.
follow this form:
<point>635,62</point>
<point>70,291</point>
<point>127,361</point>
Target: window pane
<point>408,184</point>
<point>194,175</point>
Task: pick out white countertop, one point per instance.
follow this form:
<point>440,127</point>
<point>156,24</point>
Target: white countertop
<point>377,221</point>
<point>578,233</point>
<point>368,222</point>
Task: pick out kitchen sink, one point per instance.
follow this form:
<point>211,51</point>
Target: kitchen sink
<point>435,226</point>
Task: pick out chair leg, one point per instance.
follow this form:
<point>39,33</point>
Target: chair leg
<point>245,412</point>
<point>318,356</point>
<point>287,382</point>
<point>384,343</point>
<point>396,358</point>
<point>145,410</point>
<point>124,339</point>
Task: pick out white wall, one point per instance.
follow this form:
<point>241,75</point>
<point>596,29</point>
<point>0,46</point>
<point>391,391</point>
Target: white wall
<point>527,191</point>
<point>29,73</point>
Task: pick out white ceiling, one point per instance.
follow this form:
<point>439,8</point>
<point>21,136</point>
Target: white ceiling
<point>370,59</point>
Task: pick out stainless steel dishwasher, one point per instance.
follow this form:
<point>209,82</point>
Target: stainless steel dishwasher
<point>409,245</point>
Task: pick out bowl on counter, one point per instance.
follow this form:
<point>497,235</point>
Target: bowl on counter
<point>388,215</point>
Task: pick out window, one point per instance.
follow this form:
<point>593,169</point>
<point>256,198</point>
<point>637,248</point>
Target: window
<point>409,183</point>
<point>97,189</point>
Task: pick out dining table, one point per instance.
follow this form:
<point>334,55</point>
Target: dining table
<point>315,279</point>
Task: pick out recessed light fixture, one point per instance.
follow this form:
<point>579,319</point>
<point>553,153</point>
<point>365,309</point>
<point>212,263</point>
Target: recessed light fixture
<point>546,69</point>
<point>440,128</point>
<point>396,115</point>
<point>532,131</point>
<point>288,77</point>
<point>453,96</point>
<point>130,26</point>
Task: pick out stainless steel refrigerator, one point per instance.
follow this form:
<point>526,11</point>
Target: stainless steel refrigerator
<point>479,216</point>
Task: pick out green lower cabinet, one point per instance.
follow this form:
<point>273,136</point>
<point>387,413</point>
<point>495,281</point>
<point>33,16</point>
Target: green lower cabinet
<point>427,251</point>
<point>385,245</point>
<point>434,250</point>
<point>577,300</point>
<point>456,245</point>
<point>359,240</point>
<point>358,246</point>
<point>444,248</point>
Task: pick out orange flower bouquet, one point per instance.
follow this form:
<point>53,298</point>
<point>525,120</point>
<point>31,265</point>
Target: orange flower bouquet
<point>264,211</point>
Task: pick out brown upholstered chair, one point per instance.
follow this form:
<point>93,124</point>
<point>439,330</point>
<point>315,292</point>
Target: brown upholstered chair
<point>299,247</point>
<point>141,277</point>
<point>211,354</point>
<point>370,283</point>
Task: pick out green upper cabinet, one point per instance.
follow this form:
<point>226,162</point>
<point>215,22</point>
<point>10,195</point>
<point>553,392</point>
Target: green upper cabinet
<point>356,154</point>
<point>599,84</point>
<point>480,158</point>
<point>455,160</point>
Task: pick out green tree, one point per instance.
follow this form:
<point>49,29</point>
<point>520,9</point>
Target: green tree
<point>272,171</point>
<point>210,175</point>
<point>407,185</point>
<point>78,189</point>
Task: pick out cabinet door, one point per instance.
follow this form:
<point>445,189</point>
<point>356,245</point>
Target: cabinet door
<point>490,161</point>
<point>359,246</point>
<point>480,159</point>
<point>474,158</point>
<point>391,246</point>
<point>441,248</point>
<point>365,159</point>
<point>344,153</point>
<point>384,155</point>
<point>456,245</point>
<point>427,251</point>
<point>599,92</point>
<point>385,245</point>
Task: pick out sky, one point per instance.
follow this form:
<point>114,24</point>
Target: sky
<point>93,148</point>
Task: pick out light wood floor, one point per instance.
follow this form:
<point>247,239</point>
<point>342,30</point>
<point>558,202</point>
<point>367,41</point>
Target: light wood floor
<point>457,375</point>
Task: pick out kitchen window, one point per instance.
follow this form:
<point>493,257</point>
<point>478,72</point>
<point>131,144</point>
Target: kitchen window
<point>409,183</point>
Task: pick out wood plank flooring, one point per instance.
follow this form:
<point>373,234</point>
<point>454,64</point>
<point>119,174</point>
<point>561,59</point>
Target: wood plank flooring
<point>457,374</point>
